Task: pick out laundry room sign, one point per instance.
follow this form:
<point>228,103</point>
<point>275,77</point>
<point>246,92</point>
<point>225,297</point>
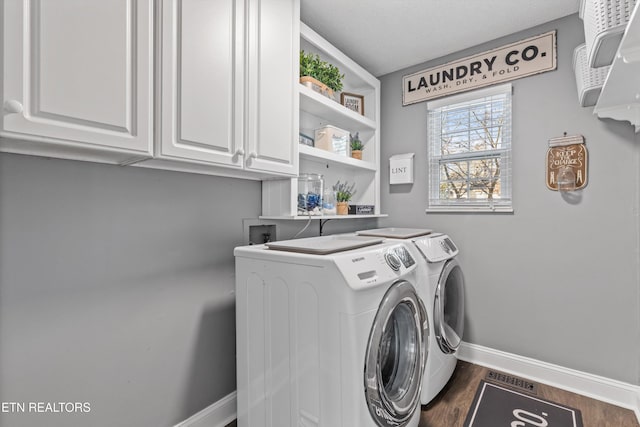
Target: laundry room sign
<point>524,58</point>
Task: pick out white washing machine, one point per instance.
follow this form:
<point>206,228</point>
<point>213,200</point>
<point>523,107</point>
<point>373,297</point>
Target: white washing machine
<point>441,287</point>
<point>332,338</point>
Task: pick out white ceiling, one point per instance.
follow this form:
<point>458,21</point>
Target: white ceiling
<point>388,35</point>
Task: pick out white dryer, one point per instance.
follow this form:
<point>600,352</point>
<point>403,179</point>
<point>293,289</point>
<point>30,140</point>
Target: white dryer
<point>441,287</point>
<point>333,338</point>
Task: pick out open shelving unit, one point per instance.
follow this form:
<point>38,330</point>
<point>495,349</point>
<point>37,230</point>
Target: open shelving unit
<point>279,196</point>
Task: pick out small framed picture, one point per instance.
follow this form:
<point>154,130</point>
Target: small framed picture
<point>306,140</point>
<point>353,102</point>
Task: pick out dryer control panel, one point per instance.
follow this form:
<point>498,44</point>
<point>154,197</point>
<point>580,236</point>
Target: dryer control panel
<point>370,267</point>
<point>437,247</point>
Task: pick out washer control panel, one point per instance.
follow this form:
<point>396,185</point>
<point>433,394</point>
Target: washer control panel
<point>369,267</point>
<point>399,254</point>
<point>436,248</point>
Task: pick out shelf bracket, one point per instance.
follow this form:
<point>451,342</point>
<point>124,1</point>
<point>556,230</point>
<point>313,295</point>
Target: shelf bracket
<point>322,223</point>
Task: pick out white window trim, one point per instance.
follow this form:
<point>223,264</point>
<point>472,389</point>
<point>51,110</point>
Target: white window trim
<point>460,98</point>
<point>468,96</point>
<point>469,209</point>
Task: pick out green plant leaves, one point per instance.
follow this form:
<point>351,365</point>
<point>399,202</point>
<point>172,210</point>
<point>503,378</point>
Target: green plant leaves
<point>355,142</point>
<point>312,65</point>
<point>344,191</point>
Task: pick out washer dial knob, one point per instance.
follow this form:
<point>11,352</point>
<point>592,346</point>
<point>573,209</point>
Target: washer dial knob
<point>393,260</point>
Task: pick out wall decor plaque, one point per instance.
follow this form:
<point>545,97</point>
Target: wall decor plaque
<point>524,58</point>
<point>567,160</point>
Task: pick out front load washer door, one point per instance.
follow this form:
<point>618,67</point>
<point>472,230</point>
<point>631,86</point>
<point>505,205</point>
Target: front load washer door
<point>448,310</point>
<point>396,356</point>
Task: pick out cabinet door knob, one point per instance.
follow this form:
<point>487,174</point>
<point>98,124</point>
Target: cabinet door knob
<point>13,107</point>
<point>240,152</point>
<point>253,155</point>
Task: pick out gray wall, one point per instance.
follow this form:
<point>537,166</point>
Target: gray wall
<point>557,281</point>
<point>116,288</point>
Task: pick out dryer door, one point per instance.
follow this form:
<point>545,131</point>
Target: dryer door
<point>448,310</point>
<point>396,356</point>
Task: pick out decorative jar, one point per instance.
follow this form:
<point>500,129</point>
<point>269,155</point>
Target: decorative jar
<point>310,190</point>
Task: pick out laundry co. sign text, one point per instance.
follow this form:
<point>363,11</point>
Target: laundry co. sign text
<point>524,58</point>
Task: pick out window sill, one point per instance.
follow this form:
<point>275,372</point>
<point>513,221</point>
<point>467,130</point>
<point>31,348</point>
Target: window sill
<point>469,209</point>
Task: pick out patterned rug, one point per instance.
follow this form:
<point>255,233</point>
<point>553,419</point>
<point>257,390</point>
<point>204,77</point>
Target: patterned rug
<point>495,405</point>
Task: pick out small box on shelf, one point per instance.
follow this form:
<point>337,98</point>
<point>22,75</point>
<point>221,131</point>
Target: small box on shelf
<point>333,139</point>
<point>361,209</point>
<point>305,140</point>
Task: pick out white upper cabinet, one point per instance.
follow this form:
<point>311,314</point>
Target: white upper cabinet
<point>85,79</point>
<point>202,76</point>
<point>272,95</point>
<point>229,99</point>
<point>77,79</point>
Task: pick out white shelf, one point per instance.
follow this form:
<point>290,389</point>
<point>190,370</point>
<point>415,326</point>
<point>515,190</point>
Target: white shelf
<point>620,96</point>
<point>323,217</point>
<point>319,105</point>
<point>323,156</point>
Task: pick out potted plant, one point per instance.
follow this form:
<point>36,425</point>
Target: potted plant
<point>356,146</point>
<point>344,192</point>
<point>319,75</point>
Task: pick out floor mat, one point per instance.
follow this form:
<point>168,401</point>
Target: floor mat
<point>495,405</point>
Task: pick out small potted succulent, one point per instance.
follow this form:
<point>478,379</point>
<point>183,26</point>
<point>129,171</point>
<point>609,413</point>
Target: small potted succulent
<point>356,146</point>
<point>344,192</point>
<point>319,75</point>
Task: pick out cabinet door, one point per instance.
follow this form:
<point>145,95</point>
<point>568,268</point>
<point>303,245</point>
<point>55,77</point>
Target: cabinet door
<point>272,99</point>
<point>78,73</point>
<point>202,76</point>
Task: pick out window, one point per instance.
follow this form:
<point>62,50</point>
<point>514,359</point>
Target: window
<point>469,151</point>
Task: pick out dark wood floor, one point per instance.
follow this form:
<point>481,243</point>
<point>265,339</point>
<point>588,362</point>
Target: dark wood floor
<point>450,407</point>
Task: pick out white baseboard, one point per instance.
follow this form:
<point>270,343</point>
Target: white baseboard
<point>607,390</point>
<point>218,414</point>
<point>618,393</point>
